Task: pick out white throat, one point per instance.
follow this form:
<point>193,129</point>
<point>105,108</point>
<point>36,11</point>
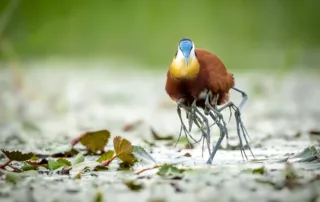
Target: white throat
<point>180,56</point>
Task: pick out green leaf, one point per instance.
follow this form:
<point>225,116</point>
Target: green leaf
<point>134,186</point>
<point>140,153</point>
<point>95,141</point>
<point>98,197</point>
<point>101,168</point>
<point>16,177</point>
<point>13,177</point>
<point>170,171</point>
<point>17,155</point>
<point>106,156</point>
<point>156,136</point>
<point>260,170</point>
<point>55,164</point>
<point>27,166</point>
<point>307,155</point>
<point>64,161</point>
<point>124,149</point>
<point>78,159</point>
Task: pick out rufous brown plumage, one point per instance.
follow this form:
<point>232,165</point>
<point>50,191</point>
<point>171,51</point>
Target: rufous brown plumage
<point>212,75</point>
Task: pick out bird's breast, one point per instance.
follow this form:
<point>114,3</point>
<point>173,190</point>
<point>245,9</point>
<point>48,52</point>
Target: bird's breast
<point>180,70</point>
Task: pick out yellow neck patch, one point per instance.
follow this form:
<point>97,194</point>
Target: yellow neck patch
<point>179,70</point>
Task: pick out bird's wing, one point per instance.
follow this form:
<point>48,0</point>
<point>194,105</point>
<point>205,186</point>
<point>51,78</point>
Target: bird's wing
<point>173,87</point>
<point>218,79</point>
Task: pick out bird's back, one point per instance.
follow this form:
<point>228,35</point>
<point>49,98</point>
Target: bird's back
<point>214,76</point>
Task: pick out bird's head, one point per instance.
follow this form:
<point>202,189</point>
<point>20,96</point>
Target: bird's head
<point>186,51</point>
<point>185,63</point>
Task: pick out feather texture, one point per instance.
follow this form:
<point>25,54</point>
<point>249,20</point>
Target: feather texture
<point>212,76</point>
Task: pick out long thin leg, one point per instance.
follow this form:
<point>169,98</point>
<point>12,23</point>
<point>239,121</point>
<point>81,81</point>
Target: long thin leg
<point>244,97</point>
<point>205,120</point>
<point>222,127</point>
<point>204,135</point>
<point>183,127</point>
<point>191,117</point>
<point>240,127</point>
<point>217,145</point>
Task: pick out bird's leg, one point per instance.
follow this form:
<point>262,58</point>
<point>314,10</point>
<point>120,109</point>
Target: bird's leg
<point>216,98</point>
<point>240,128</point>
<point>183,127</point>
<point>243,101</point>
<point>203,135</point>
<point>205,120</point>
<point>244,97</point>
<point>191,117</point>
<point>222,127</point>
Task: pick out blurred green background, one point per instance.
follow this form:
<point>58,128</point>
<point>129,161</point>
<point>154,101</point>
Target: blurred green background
<point>246,34</point>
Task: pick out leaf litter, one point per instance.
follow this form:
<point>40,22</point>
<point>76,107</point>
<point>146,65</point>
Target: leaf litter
<point>166,171</point>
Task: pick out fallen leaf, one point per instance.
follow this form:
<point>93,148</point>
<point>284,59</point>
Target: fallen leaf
<point>124,149</point>
<point>98,197</point>
<point>105,156</point>
<point>101,168</point>
<point>17,155</point>
<point>187,155</point>
<point>64,161</point>
<point>26,167</point>
<point>170,171</point>
<point>307,155</point>
<point>140,153</point>
<point>55,164</point>
<point>16,177</point>
<point>78,159</point>
<point>260,170</point>
<point>314,132</point>
<point>158,137</point>
<point>95,141</point>
<point>78,176</point>
<point>134,186</point>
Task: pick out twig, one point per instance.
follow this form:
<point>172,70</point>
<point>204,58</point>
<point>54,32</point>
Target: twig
<point>146,169</point>
<point>77,139</point>
<point>6,164</point>
<point>14,168</point>
<point>106,163</point>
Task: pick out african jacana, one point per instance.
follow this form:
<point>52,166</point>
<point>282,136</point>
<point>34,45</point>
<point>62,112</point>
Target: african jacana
<point>197,79</point>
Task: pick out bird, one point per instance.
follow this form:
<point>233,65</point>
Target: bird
<point>198,79</point>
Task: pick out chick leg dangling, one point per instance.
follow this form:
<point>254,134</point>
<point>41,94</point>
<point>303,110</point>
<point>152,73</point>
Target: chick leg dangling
<point>205,135</point>
<point>241,130</point>
<point>180,104</point>
<point>222,126</point>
